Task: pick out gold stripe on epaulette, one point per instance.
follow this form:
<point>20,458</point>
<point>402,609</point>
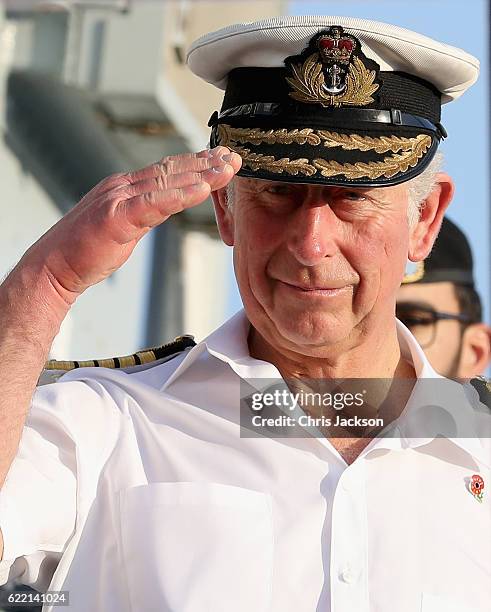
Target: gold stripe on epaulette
<point>127,362</point>
<point>138,358</point>
<point>60,365</point>
<point>89,363</point>
<point>105,363</point>
<point>146,356</point>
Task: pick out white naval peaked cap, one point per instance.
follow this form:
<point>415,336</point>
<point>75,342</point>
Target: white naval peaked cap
<point>268,42</point>
<point>330,100</point>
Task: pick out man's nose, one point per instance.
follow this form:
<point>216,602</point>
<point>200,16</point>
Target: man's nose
<point>312,234</point>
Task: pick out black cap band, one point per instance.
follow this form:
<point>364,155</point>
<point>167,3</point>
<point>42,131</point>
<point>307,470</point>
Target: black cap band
<point>399,90</point>
<point>330,118</point>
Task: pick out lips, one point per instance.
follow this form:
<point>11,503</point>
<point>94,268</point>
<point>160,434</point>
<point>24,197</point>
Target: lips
<point>324,287</point>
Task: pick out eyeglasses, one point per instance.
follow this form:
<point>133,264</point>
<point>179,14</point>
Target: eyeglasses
<point>422,320</point>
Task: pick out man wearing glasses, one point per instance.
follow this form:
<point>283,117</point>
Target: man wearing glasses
<point>439,303</point>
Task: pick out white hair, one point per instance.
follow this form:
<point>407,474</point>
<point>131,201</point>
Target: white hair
<point>419,188</point>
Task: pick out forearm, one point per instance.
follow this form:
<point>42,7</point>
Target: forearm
<point>31,313</point>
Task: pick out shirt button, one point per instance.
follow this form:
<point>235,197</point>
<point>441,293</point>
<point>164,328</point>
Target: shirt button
<point>348,574</point>
<point>346,485</point>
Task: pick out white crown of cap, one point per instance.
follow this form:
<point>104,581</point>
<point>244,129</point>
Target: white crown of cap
<point>268,42</point>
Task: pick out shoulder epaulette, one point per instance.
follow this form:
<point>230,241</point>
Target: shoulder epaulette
<point>483,387</point>
<point>178,345</point>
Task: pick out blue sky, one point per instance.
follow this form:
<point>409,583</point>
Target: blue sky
<point>462,24</point>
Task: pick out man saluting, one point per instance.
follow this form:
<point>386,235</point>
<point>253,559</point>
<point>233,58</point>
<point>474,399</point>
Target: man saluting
<point>135,490</point>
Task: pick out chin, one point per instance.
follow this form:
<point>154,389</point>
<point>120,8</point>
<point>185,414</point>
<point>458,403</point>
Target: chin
<point>310,329</point>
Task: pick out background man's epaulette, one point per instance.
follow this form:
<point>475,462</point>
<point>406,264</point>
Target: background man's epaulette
<point>140,358</point>
<point>483,387</point>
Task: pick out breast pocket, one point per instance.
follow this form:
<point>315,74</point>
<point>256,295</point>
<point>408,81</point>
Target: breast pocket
<point>197,547</point>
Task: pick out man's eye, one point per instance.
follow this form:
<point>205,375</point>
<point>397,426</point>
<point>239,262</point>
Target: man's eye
<point>354,196</point>
<point>279,189</point>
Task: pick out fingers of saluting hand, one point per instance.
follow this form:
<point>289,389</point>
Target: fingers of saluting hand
<point>188,162</point>
<point>176,183</point>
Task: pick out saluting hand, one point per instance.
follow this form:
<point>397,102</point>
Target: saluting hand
<point>93,240</point>
<point>99,234</point>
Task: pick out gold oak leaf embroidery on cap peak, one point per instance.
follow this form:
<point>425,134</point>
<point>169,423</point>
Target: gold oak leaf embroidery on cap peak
<point>258,161</point>
<point>412,149</point>
<point>388,167</point>
<point>349,142</point>
<point>380,144</point>
<point>257,136</point>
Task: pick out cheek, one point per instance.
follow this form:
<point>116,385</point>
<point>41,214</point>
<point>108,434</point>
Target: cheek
<point>377,251</point>
<point>366,249</point>
<point>444,349</point>
<point>257,235</point>
<point>386,247</point>
<point>396,253</point>
<point>259,229</point>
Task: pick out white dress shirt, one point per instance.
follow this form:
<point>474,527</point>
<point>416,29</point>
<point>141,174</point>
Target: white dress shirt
<point>136,492</point>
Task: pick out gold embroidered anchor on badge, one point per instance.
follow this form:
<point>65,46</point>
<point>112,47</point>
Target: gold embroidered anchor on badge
<point>334,71</point>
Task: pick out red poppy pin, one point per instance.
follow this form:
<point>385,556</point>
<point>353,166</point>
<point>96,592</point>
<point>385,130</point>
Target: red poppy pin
<point>476,487</point>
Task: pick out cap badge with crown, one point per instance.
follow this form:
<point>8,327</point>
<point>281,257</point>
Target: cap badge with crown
<point>336,74</point>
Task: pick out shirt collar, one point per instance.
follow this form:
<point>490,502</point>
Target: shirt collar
<point>412,352</point>
<point>229,344</point>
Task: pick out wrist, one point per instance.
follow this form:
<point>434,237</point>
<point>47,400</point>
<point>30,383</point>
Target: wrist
<point>31,309</point>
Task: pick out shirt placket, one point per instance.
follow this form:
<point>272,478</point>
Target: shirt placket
<point>349,588</point>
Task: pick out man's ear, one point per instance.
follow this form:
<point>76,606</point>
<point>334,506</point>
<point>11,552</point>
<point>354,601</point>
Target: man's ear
<point>425,231</point>
<point>224,217</point>
<point>475,355</point>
